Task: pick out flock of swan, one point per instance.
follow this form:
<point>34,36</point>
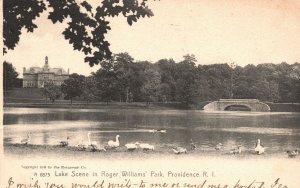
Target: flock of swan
<point>113,144</point>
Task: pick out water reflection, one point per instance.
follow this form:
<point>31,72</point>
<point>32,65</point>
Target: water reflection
<point>278,131</point>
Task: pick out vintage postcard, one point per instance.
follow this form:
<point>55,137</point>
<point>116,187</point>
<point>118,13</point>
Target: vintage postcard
<point>150,94</point>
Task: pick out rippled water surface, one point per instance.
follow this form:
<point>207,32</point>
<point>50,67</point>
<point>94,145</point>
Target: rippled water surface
<point>277,131</point>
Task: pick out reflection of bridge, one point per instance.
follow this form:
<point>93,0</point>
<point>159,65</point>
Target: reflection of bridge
<point>225,104</point>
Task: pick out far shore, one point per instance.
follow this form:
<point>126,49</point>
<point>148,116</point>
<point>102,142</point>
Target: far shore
<point>275,107</point>
<point>103,105</point>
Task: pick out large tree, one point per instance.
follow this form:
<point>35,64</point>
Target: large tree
<point>86,23</point>
<point>167,68</point>
<point>9,76</point>
<point>151,86</point>
<point>89,89</point>
<point>51,91</point>
<point>219,79</point>
<point>186,75</point>
<point>107,87</point>
<point>72,86</point>
<point>106,82</point>
<point>123,67</point>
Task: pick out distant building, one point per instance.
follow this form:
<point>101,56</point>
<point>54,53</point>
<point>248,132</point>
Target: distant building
<point>36,77</point>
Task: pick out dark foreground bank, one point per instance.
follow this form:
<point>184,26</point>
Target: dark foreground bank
<point>19,150</point>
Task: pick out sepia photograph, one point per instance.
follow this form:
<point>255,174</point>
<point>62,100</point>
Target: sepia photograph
<point>150,93</point>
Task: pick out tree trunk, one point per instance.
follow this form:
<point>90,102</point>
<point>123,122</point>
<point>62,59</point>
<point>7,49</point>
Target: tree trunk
<point>127,95</point>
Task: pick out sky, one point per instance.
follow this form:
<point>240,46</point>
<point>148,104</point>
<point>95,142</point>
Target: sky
<point>223,31</point>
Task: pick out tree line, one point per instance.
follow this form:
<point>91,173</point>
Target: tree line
<point>123,79</point>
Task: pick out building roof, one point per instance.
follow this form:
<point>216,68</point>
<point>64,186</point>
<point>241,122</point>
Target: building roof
<point>45,69</point>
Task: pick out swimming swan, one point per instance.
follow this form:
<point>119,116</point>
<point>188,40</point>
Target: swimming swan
<point>89,139</point>
<point>179,150</point>
<point>114,144</point>
<point>259,149</point>
<point>131,146</point>
<point>219,146</point>
<point>146,146</point>
<point>26,140</point>
<point>237,150</point>
<point>293,154</point>
<point>93,145</point>
<point>157,131</point>
<point>161,130</point>
<point>64,142</point>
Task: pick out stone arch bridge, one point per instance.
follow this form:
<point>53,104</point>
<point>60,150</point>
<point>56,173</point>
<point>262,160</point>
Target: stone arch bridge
<point>225,104</point>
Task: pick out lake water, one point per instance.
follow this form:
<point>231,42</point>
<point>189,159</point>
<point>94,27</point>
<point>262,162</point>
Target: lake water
<point>277,131</point>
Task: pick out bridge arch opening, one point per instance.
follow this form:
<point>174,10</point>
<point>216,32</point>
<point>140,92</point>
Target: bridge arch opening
<point>237,108</point>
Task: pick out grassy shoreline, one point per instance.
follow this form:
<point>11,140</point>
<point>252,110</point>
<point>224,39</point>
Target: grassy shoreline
<point>34,98</point>
<point>20,150</point>
<point>113,105</point>
<point>275,107</point>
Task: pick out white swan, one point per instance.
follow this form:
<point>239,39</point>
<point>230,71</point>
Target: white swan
<point>114,144</point>
<point>161,130</point>
<point>259,149</point>
<point>89,139</point>
<point>131,146</point>
<point>26,140</point>
<point>151,131</point>
<point>93,145</point>
<point>219,146</point>
<point>82,146</point>
<point>293,154</point>
<point>64,142</point>
<point>146,146</point>
<point>237,150</point>
<point>179,150</point>
<point>157,131</point>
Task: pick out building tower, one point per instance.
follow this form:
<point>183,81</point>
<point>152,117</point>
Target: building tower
<point>46,67</point>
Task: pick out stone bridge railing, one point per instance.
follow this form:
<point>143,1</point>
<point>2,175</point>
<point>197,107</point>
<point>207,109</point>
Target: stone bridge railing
<point>222,104</point>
